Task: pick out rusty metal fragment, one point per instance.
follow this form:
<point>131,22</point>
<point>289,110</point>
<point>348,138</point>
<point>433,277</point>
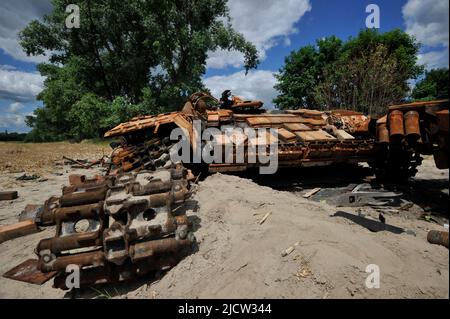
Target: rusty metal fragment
<point>19,229</point>
<point>31,212</point>
<point>438,237</point>
<point>8,195</point>
<point>29,272</point>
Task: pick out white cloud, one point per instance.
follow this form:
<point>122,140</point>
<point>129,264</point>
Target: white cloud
<point>256,85</point>
<point>221,58</point>
<point>434,59</point>
<point>13,122</point>
<point>14,16</point>
<point>7,67</point>
<point>265,23</point>
<point>14,107</point>
<point>428,21</point>
<point>20,86</point>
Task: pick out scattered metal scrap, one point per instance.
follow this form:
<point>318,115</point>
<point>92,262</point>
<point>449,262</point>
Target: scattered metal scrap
<point>438,237</point>
<point>85,163</point>
<point>365,195</point>
<point>25,177</point>
<point>29,272</point>
<point>8,195</point>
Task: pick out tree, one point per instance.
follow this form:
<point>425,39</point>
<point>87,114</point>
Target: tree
<point>366,84</point>
<point>86,116</point>
<point>365,73</point>
<point>433,86</point>
<point>125,49</point>
<point>303,70</point>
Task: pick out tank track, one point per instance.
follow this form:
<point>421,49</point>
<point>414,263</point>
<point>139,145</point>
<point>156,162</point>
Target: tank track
<point>117,227</point>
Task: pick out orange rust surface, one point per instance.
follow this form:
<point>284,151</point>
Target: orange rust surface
<point>318,135</point>
<point>140,123</point>
<point>443,120</point>
<point>356,123</point>
<point>239,103</point>
<point>418,105</point>
<point>412,126</point>
<point>396,125</point>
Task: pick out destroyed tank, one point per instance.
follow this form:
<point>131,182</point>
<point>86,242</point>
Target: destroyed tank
<point>132,220</point>
<point>392,144</point>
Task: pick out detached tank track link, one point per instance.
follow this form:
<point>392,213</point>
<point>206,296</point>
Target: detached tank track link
<point>117,227</point>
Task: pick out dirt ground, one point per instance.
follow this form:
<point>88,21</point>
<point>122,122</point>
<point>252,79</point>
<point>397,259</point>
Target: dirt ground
<point>40,158</point>
<point>238,257</point>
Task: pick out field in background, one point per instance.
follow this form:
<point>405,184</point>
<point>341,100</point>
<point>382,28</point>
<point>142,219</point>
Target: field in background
<point>39,158</point>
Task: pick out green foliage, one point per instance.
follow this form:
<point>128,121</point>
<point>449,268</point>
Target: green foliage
<point>365,73</point>
<point>433,86</point>
<point>6,137</point>
<point>150,53</point>
<point>302,72</point>
<point>366,84</point>
<point>86,117</point>
<point>121,110</point>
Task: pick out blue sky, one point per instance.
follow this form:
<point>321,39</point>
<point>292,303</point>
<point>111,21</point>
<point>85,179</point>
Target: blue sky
<point>275,27</point>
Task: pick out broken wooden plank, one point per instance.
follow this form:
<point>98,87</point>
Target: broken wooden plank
<point>8,195</point>
<point>264,218</point>
<point>19,229</point>
<point>289,250</point>
<point>311,192</point>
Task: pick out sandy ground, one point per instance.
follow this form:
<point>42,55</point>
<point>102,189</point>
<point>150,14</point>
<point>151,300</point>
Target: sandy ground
<point>40,158</point>
<point>44,160</point>
<point>239,258</point>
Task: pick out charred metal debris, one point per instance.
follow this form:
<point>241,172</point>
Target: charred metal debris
<point>114,227</point>
<point>131,220</point>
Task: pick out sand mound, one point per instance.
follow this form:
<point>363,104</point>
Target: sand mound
<point>240,258</point>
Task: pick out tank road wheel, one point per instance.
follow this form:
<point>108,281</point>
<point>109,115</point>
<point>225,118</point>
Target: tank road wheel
<point>396,164</point>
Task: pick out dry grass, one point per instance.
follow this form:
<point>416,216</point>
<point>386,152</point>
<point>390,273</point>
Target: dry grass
<point>39,158</point>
